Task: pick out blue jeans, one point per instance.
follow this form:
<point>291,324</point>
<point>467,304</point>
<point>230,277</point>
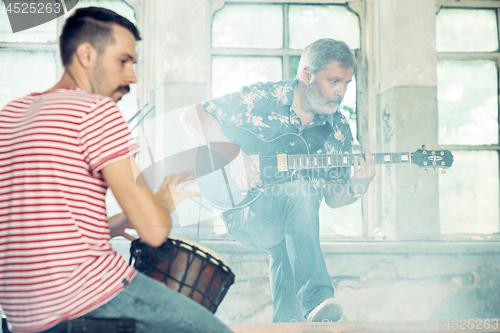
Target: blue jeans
<point>284,221</point>
<point>156,308</point>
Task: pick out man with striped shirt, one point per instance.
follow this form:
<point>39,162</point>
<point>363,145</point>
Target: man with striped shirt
<point>59,152</point>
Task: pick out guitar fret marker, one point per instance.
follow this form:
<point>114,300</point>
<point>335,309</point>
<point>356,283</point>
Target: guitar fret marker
<point>344,159</point>
<point>404,157</point>
<point>387,158</point>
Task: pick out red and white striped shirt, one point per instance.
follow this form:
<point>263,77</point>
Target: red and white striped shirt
<point>56,261</point>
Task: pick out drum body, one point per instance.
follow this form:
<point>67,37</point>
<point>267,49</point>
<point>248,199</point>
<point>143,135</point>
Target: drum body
<point>186,267</point>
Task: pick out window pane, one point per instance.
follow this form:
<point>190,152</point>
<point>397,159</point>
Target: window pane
<point>241,25</point>
<point>229,74</point>
<point>23,72</point>
<point>311,22</point>
<point>118,6</point>
<point>345,221</point>
<point>45,33</point>
<point>466,30</point>
<point>294,65</point>
<point>348,107</point>
<point>468,193</point>
<point>468,102</point>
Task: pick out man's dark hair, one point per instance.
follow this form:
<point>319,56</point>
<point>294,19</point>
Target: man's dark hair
<point>92,25</point>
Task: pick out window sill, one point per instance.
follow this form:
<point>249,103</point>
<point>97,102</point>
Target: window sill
<point>380,247</point>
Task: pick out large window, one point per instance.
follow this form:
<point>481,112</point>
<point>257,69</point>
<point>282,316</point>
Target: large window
<point>468,59</point>
<point>263,42</point>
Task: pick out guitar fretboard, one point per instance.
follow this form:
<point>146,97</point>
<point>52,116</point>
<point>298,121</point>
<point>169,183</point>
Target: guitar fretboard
<point>339,160</point>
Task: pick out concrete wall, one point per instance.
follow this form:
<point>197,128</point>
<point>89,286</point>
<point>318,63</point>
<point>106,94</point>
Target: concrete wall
<point>412,274</point>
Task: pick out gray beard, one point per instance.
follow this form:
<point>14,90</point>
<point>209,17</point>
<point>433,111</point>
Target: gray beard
<point>316,101</point>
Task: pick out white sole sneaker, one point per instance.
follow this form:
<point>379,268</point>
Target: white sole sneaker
<point>330,310</point>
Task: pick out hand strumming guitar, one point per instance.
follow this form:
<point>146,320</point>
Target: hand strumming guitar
<point>244,171</point>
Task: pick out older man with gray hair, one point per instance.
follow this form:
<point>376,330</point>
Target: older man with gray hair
<point>284,220</point>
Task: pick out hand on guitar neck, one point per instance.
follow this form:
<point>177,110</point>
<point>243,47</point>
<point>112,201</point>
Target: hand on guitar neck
<point>244,171</point>
<point>363,173</point>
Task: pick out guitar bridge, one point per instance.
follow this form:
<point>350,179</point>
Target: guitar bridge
<point>282,162</point>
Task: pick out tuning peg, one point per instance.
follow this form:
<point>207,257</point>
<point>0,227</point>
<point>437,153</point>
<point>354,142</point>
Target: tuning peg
<point>441,147</point>
<point>423,147</point>
<point>425,171</point>
<point>443,171</point>
<point>432,147</point>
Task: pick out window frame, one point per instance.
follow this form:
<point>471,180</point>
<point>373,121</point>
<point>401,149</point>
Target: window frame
<point>365,97</point>
<point>52,47</point>
<point>473,4</point>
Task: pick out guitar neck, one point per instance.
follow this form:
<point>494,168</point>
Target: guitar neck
<point>340,160</point>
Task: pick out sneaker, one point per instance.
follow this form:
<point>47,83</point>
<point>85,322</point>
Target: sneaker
<point>330,310</point>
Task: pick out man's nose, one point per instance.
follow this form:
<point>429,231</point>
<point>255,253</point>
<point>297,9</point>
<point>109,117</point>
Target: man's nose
<point>131,78</point>
<point>340,89</point>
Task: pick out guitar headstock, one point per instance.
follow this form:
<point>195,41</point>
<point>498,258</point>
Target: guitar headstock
<point>432,159</point>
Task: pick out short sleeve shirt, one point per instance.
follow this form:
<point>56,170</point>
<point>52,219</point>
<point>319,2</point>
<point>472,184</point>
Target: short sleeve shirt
<point>266,110</point>
<point>56,262</point>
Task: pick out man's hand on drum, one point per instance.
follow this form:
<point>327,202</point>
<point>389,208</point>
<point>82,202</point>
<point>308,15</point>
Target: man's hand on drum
<point>245,173</point>
<point>170,192</point>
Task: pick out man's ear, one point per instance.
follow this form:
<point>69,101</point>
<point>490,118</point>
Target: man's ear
<point>86,55</point>
<point>306,76</point>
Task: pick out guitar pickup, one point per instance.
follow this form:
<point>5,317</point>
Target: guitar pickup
<point>282,162</point>
<point>255,160</point>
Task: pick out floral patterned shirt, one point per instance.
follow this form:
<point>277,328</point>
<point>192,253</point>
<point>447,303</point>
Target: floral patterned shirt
<point>266,110</point>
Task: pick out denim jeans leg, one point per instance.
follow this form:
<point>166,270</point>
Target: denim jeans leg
<point>300,200</point>
<point>158,309</point>
<point>286,306</point>
<point>288,213</point>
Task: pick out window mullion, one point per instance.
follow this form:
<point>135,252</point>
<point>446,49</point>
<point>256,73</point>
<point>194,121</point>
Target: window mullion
<point>29,47</point>
<point>286,31</point>
<point>468,55</point>
<point>228,51</point>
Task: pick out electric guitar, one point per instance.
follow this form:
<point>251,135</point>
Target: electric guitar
<point>279,159</point>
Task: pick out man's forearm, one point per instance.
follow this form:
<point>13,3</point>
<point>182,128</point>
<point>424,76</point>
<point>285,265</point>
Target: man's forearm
<point>201,126</point>
<point>116,223</point>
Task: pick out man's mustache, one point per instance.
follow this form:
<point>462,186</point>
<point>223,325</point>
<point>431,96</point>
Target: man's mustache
<point>337,100</point>
<point>124,89</point>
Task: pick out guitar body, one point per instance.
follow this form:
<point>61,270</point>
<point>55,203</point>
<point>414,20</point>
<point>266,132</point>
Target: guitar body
<point>219,188</point>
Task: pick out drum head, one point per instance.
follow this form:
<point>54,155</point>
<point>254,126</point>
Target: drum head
<point>201,247</point>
